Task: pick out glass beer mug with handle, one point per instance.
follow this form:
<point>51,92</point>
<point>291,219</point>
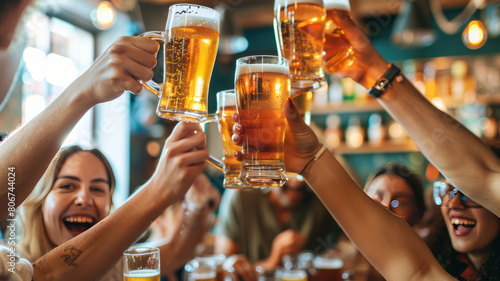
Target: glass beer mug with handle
<point>141,264</point>
<point>262,85</point>
<point>338,53</point>
<point>190,39</point>
<point>226,108</point>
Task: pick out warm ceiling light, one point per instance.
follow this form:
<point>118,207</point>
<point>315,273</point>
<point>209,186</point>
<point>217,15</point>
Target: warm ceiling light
<point>474,35</point>
<point>104,16</point>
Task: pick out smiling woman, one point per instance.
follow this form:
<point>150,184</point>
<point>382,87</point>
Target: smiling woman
<point>469,246</point>
<point>74,194</point>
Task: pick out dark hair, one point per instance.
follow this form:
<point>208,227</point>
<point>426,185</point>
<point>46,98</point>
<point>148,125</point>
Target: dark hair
<point>411,178</point>
<point>447,257</point>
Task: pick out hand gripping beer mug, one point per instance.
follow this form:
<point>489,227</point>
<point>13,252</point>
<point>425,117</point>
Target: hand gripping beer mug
<point>262,87</point>
<point>190,41</point>
<point>201,269</point>
<point>338,52</point>
<point>141,264</point>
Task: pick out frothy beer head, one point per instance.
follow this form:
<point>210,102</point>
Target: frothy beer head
<point>328,263</point>
<point>193,15</point>
<point>262,67</point>
<point>337,4</point>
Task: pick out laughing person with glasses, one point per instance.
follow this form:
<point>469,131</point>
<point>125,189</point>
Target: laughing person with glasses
<point>469,248</point>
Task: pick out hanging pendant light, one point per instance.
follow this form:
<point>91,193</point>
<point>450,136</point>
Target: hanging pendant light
<point>104,16</point>
<point>474,35</point>
<point>412,27</point>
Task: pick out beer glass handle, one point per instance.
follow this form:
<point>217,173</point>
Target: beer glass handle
<point>216,163</point>
<point>151,85</point>
<point>211,117</point>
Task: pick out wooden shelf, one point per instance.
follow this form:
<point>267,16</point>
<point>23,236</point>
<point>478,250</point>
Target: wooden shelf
<point>347,107</point>
<point>373,105</point>
<point>386,147</point>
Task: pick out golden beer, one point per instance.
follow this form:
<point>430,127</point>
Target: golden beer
<point>302,97</point>
<point>262,90</point>
<point>232,167</point>
<point>338,52</point>
<point>142,275</point>
<point>189,58</point>
<point>299,30</point>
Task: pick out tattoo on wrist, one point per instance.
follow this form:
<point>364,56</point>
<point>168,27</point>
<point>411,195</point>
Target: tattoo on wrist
<point>71,255</point>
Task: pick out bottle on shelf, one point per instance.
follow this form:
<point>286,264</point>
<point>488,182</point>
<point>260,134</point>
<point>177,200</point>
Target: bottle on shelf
<point>396,132</point>
<point>354,134</point>
<point>463,86</point>
<point>333,132</point>
<point>376,130</point>
<point>489,125</point>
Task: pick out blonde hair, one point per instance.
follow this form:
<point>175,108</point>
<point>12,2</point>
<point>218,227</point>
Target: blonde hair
<point>35,241</point>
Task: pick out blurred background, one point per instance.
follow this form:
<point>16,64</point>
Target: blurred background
<point>424,37</point>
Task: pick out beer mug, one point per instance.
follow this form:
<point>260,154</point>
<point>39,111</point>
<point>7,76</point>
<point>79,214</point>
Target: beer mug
<point>200,269</point>
<point>338,52</point>
<point>328,268</point>
<point>226,108</point>
<point>299,30</point>
<point>290,275</point>
<point>262,87</point>
<point>141,263</point>
<point>190,39</point>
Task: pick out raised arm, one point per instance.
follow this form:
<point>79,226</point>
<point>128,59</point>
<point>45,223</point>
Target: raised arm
<point>91,254</point>
<point>458,154</point>
<point>387,241</point>
<point>28,151</point>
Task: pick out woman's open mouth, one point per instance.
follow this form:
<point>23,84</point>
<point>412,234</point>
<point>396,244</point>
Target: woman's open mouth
<point>462,226</point>
<point>78,223</point>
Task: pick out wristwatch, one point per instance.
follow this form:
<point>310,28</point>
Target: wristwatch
<point>385,81</point>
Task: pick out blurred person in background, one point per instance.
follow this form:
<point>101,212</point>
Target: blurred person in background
<point>261,226</point>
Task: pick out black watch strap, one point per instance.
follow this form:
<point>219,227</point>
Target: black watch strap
<point>385,81</point>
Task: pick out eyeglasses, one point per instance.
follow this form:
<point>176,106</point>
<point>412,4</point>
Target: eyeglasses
<point>444,192</point>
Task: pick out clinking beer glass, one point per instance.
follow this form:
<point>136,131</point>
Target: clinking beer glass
<point>338,52</point>
<point>299,31</point>
<point>262,87</point>
<point>226,108</point>
<point>191,38</point>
